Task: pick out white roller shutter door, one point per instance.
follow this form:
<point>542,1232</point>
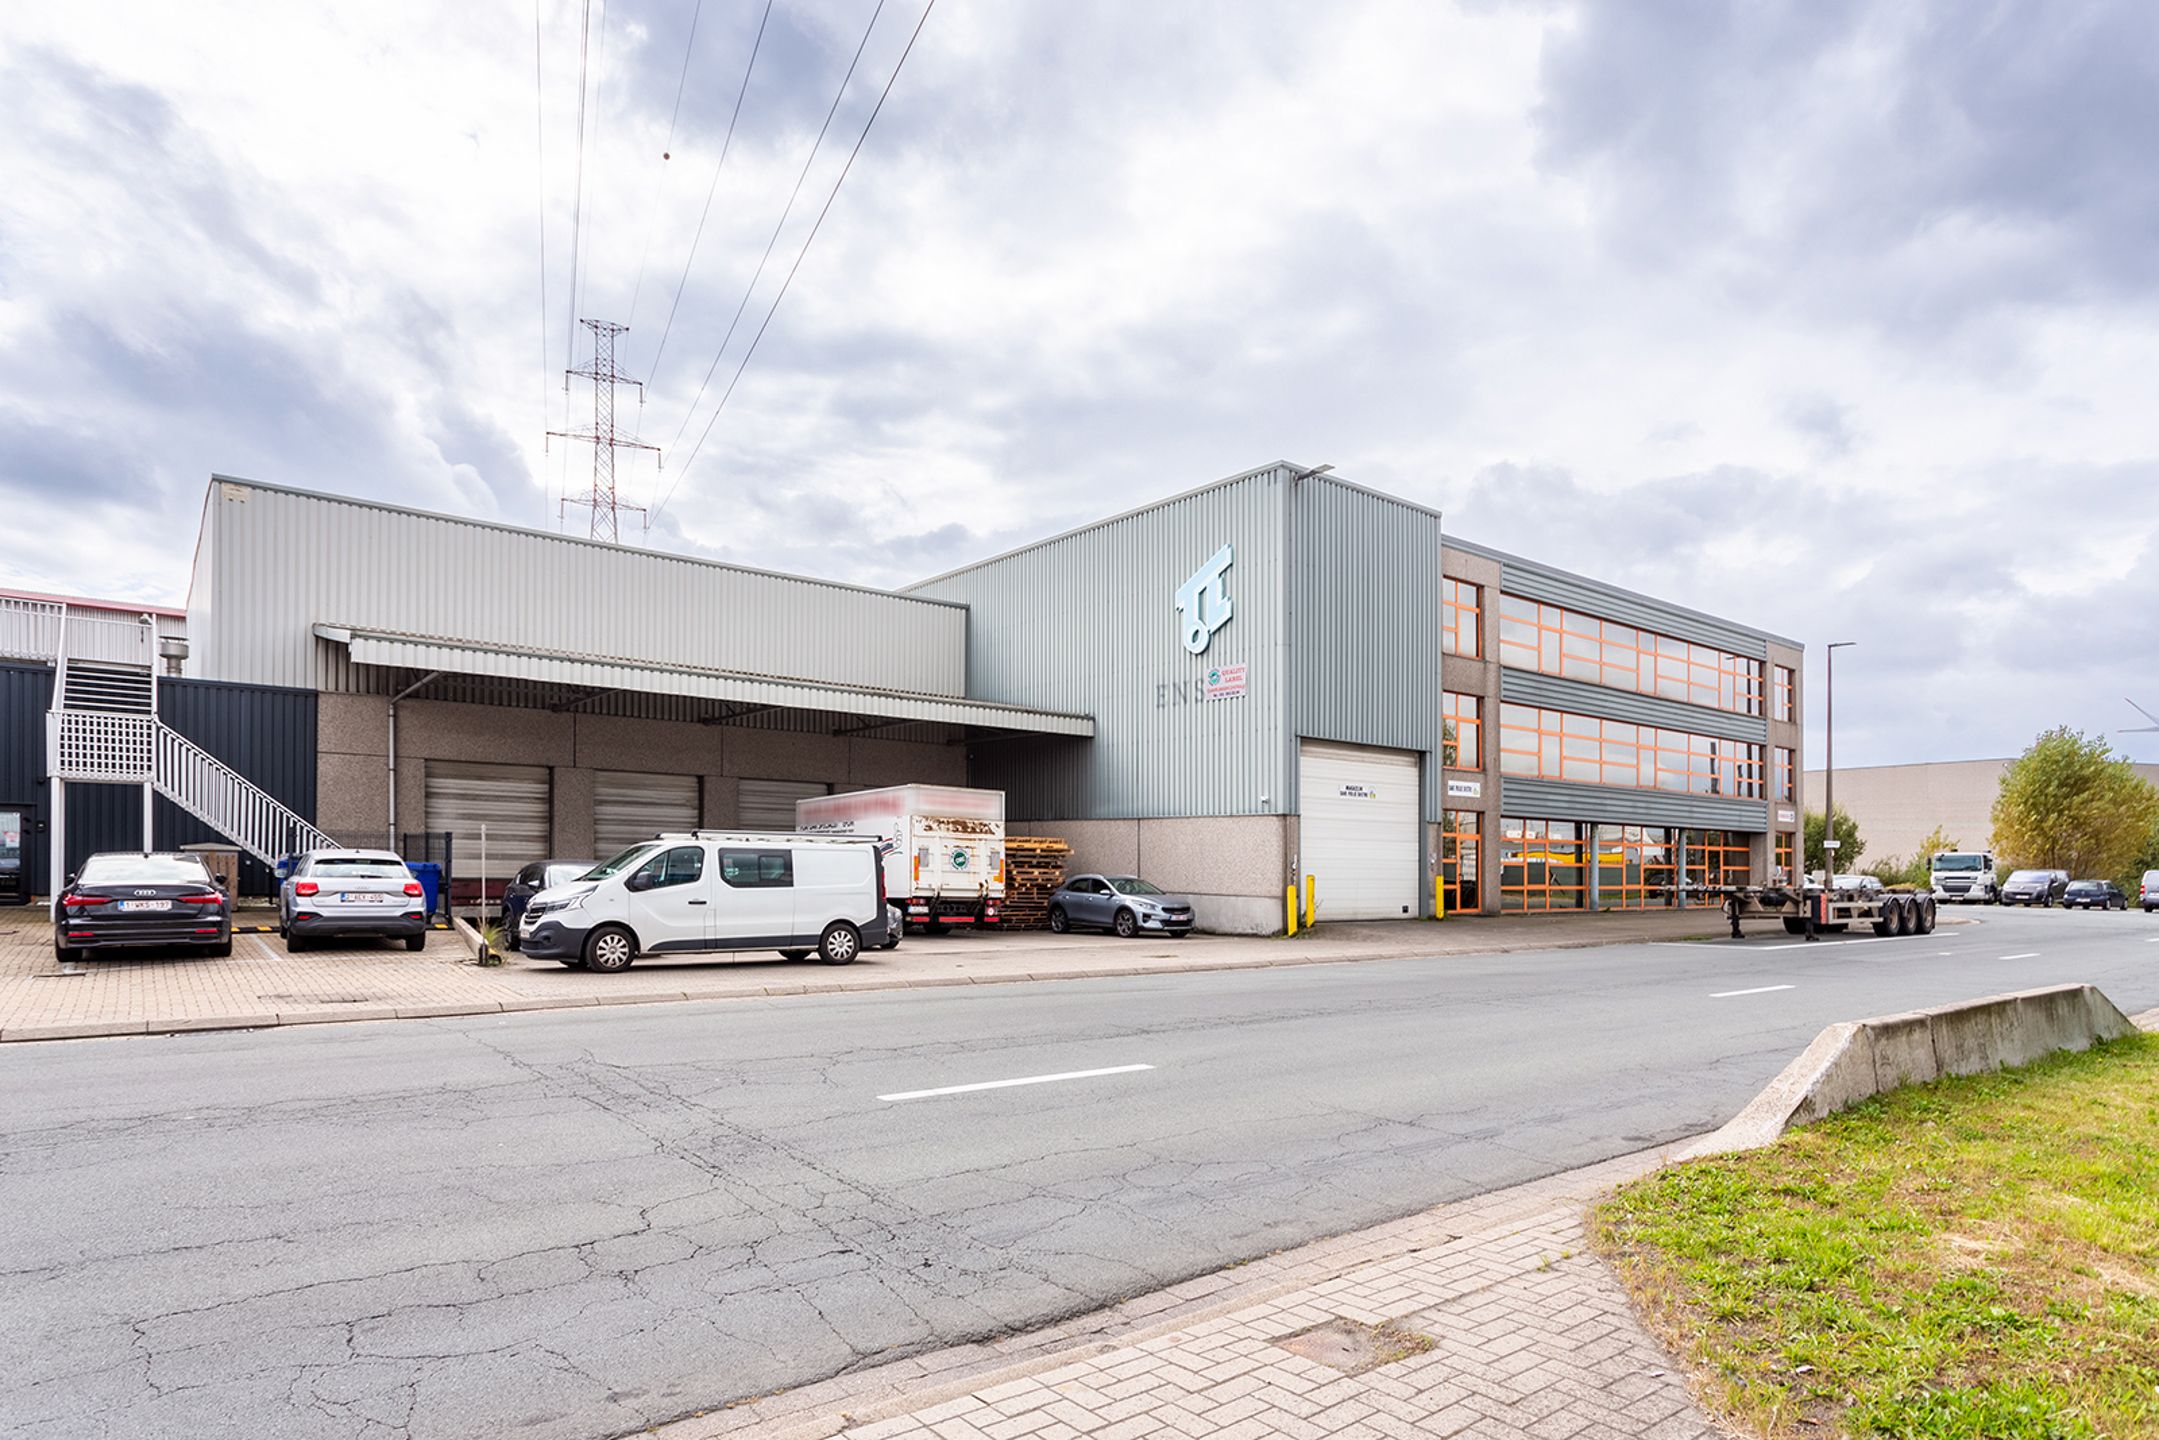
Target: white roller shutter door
<point>770,804</point>
<point>628,807</point>
<point>1358,830</point>
<point>512,801</point>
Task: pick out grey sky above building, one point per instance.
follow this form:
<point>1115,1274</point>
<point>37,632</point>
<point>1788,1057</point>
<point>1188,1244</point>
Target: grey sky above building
<point>1835,319</point>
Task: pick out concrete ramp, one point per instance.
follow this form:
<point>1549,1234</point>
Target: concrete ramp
<point>1852,1060</point>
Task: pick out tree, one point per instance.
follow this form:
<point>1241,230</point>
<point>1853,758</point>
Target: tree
<point>1935,843</point>
<point>2069,803</point>
<point>1849,846</point>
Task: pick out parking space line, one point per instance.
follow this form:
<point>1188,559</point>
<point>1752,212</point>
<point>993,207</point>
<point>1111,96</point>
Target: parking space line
<point>2023,955</point>
<point>1818,944</point>
<point>1007,1084</point>
<point>1757,990</point>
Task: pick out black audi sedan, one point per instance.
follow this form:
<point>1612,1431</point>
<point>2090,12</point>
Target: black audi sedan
<point>133,898</point>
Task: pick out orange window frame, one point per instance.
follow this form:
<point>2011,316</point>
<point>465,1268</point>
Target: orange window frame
<point>1461,835</point>
<point>1536,743</point>
<point>1529,852</point>
<point>1465,714</point>
<point>1461,618</point>
<point>1554,640</point>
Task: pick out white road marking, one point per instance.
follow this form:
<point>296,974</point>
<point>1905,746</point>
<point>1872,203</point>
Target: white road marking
<point>1758,990</point>
<point>2026,955</point>
<point>1803,945</point>
<point>1006,1084</point>
<point>2153,940</point>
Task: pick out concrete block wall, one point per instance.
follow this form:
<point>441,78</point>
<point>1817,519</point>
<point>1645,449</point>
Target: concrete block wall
<point>1234,867</point>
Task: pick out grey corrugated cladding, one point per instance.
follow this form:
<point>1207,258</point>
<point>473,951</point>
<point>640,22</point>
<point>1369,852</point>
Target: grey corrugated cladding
<point>1087,622</point>
<point>1365,622</point>
<point>1535,581</point>
<point>1528,687</point>
<point>1562,800</point>
<point>272,563</point>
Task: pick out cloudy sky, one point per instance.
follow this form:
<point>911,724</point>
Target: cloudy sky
<point>1840,319</point>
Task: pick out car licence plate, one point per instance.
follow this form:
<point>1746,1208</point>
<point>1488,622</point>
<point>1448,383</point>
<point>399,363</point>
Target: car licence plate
<point>362,897</point>
<point>145,904</point>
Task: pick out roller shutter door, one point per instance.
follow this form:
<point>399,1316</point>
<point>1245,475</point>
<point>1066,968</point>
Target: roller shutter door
<point>1358,829</point>
<point>770,804</point>
<point>628,807</point>
<point>512,801</point>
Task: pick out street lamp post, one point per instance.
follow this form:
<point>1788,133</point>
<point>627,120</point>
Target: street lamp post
<point>1830,844</point>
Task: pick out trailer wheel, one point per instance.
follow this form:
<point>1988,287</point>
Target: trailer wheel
<point>1885,922</point>
<point>1907,917</point>
<point>1926,916</point>
<point>1794,925</point>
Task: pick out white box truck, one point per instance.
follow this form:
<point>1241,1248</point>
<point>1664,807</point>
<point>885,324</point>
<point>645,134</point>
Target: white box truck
<point>947,862</point>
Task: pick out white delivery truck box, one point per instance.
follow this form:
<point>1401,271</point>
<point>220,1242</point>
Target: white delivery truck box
<point>947,862</point>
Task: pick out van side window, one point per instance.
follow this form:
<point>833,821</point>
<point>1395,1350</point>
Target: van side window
<point>683,865</point>
<point>757,869</point>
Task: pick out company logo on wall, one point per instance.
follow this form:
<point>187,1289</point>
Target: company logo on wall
<point>1203,604</point>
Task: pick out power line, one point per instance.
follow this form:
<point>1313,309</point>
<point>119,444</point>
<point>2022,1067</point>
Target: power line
<point>725,145</point>
<point>667,153</point>
<point>539,136</point>
<point>690,411</point>
<point>577,207</point>
<point>807,241</point>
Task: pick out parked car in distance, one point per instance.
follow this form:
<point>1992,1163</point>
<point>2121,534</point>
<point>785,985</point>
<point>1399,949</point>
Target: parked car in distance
<point>530,881</point>
<point>2148,892</point>
<point>711,891</point>
<point>2035,887</point>
<point>136,897</point>
<point>363,893</point>
<point>1125,904</point>
<point>2094,895</point>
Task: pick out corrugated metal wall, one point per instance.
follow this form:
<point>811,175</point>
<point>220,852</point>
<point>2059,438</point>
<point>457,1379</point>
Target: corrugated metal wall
<point>275,562</point>
<point>1087,622</point>
<point>1536,581</point>
<point>268,735</point>
<point>1365,624</point>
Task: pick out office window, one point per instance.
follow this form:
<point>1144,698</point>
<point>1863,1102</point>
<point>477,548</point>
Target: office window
<point>1783,698</point>
<point>1541,744</point>
<point>1785,874</point>
<point>1461,833</point>
<point>1540,865</point>
<point>1718,857</point>
<point>1463,718</point>
<point>1461,618</point>
<point>1784,772</point>
<point>1553,640</point>
<point>1636,866</point>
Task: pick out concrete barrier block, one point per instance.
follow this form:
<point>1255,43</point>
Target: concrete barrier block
<point>1904,1051</point>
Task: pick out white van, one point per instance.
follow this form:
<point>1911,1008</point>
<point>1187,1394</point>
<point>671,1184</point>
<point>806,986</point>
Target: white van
<point>710,891</point>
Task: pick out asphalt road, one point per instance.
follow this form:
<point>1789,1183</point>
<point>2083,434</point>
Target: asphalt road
<point>575,1224</point>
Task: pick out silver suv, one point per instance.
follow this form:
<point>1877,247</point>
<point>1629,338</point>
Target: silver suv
<point>365,893</point>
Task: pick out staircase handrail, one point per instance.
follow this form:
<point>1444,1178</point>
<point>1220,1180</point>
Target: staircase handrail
<point>257,821</point>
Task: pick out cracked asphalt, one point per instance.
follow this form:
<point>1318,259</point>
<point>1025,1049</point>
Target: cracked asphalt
<point>576,1224</point>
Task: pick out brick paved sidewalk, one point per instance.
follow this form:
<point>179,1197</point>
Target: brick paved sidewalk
<point>261,985</point>
<point>1529,1335</point>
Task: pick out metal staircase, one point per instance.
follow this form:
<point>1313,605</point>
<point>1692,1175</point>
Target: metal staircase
<point>104,729</point>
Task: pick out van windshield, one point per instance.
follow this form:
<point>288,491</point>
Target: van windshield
<point>1950,860</point>
<point>620,863</point>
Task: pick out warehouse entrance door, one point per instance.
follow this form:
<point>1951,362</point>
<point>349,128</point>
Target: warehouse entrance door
<point>770,804</point>
<point>1358,829</point>
<point>514,802</point>
<point>629,807</point>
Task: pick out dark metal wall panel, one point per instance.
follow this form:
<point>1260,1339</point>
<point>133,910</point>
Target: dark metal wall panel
<point>1527,687</point>
<point>1365,623</point>
<point>268,735</point>
<point>1560,800</point>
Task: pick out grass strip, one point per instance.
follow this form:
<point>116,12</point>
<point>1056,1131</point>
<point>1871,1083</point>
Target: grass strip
<point>1976,1259</point>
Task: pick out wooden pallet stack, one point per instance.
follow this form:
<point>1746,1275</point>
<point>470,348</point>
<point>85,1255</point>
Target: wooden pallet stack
<point>1034,868</point>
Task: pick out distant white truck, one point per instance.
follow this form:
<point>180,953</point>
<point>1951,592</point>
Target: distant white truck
<point>1959,876</point>
<point>947,862</point>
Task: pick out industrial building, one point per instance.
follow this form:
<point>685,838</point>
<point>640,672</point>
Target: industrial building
<point>1898,806</point>
<point>1276,675</point>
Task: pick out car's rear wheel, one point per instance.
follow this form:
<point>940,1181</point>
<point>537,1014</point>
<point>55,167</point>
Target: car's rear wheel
<point>840,944</point>
<point>294,944</point>
<point>65,953</point>
<point>609,949</point>
<point>1127,925</point>
<point>416,942</point>
<point>1059,921</point>
<point>222,950</point>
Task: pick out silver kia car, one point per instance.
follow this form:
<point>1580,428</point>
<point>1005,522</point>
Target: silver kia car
<point>1124,903</point>
<point>361,893</point>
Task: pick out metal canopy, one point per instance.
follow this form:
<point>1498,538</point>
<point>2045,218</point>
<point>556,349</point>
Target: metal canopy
<point>430,652</point>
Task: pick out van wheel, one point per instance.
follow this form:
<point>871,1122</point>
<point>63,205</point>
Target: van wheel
<point>1059,921</point>
<point>841,943</point>
<point>1127,925</point>
<point>610,948</point>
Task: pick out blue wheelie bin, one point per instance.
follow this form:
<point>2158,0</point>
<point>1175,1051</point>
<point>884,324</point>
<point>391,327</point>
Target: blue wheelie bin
<point>429,874</point>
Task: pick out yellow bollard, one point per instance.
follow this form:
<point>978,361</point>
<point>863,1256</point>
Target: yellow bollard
<point>1439,897</point>
<point>1311,902</point>
<point>1289,910</point>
